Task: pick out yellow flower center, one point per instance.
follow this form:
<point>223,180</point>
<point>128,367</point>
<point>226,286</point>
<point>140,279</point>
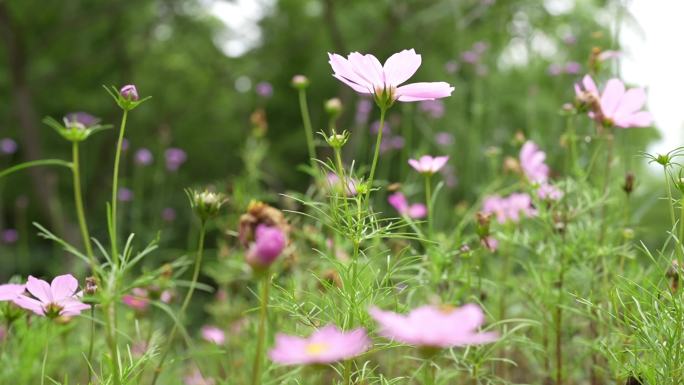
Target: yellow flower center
<point>316,348</point>
<point>446,309</point>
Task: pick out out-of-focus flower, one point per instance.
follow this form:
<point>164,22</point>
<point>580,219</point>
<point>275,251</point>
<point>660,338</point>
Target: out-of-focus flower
<point>195,378</point>
<point>8,146</point>
<point>444,138</point>
<point>609,54</point>
<point>480,47</point>
<point>10,291</point>
<point>333,107</point>
<point>81,117</point>
<point>451,67</point>
<point>366,75</point>
<point>509,208</point>
<point>391,142</point>
<point>213,334</point>
<point>58,298</point>
<point>168,214</point>
<point>548,191</point>
<point>129,92</point>
<point>363,110</point>
<point>433,108</point>
<point>269,243</point>
<point>375,127</point>
<point>569,39</point>
<point>532,162</point>
<point>470,57</point>
<point>143,157</point>
<point>124,194</point>
<point>137,300</point>
<point>206,204</point>
<point>427,164</point>
<point>9,236</point>
<point>616,105</point>
<point>300,82</point>
<point>573,68</point>
<point>264,89</point>
<point>490,243</point>
<point>335,183</point>
<point>174,157</point>
<point>555,69</point>
<point>399,202</point>
<point>435,327</point>
<point>260,213</point>
<point>324,346</point>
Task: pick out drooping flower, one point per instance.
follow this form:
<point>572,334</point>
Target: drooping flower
<point>427,164</point>
<point>366,75</point>
<point>269,242</point>
<point>399,202</point>
<point>143,157</point>
<point>509,208</point>
<point>58,298</point>
<point>213,334</point>
<point>616,105</point>
<point>435,327</point>
<point>10,291</point>
<point>129,92</point>
<point>324,346</point>
<point>8,146</point>
<point>532,162</point>
<point>175,157</point>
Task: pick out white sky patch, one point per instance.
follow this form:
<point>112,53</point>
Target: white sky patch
<point>241,18</point>
<point>654,59</point>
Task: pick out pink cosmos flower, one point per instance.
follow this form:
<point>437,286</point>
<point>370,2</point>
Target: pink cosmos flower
<point>618,106</point>
<point>58,298</point>
<point>549,192</point>
<point>213,334</point>
<point>432,326</point>
<point>532,162</point>
<point>137,300</point>
<point>427,164</point>
<point>269,242</point>
<point>366,75</point>
<point>399,202</point>
<point>509,208</point>
<point>10,291</point>
<point>324,346</point>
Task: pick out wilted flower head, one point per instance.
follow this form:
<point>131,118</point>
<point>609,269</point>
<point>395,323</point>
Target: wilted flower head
<point>10,291</point>
<point>616,105</point>
<point>264,89</point>
<point>324,346</point>
<point>435,327</point>
<point>427,164</point>
<point>532,162</point>
<point>143,157</point>
<point>213,334</point>
<point>129,92</point>
<point>399,202</point>
<point>366,75</point>
<point>174,157</point>
<point>509,208</point>
<point>58,298</point>
<point>206,204</point>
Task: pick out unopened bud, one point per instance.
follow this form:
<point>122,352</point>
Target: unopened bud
<point>300,82</point>
<point>333,107</point>
<point>90,286</point>
<point>206,203</point>
<point>628,233</point>
<point>129,92</point>
<point>338,140</point>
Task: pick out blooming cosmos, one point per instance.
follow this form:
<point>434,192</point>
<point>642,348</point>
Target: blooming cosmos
<point>324,346</point>
<point>58,298</point>
<point>366,75</point>
<point>509,208</point>
<point>434,326</point>
<point>269,242</point>
<point>616,105</point>
<point>532,162</point>
<point>10,291</point>
<point>427,164</point>
<point>399,202</point>
<point>213,334</point>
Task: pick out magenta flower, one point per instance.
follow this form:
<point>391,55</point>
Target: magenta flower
<point>175,157</point>
<point>399,202</point>
<point>8,146</point>
<point>532,162</point>
<point>129,92</point>
<point>138,299</point>
<point>143,157</point>
<point>58,298</point>
<point>427,164</point>
<point>213,334</point>
<point>618,106</point>
<point>324,346</point>
<point>432,326</point>
<point>269,242</point>
<point>366,75</point>
<point>10,291</point>
<point>509,208</point>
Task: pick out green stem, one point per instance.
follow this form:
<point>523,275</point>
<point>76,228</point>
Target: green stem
<point>115,187</point>
<point>428,202</point>
<point>306,119</point>
<point>347,372</point>
<point>429,373</point>
<point>559,320</point>
<point>110,330</point>
<point>78,199</point>
<point>34,163</point>
<point>45,356</point>
<point>261,337</point>
<point>91,343</point>
<point>681,226</point>
<point>186,301</point>
<point>378,141</point>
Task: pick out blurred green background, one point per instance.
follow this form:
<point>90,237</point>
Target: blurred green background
<point>512,64</point>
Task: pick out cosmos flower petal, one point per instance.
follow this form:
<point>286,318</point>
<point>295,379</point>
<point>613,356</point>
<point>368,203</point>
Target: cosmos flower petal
<point>611,97</point>
<point>344,71</point>
<point>423,91</point>
<point>401,66</point>
<point>9,291</point>
<point>29,304</point>
<point>63,286</point>
<point>39,289</point>
<point>633,100</point>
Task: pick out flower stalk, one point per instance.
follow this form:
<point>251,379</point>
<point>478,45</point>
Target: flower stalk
<point>261,336</point>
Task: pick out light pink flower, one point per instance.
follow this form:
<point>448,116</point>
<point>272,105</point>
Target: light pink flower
<point>213,334</point>
<point>58,298</point>
<point>324,346</point>
<point>619,107</point>
<point>490,243</point>
<point>137,300</point>
<point>549,192</point>
<point>335,183</point>
<point>432,326</point>
<point>10,291</point>
<point>609,54</point>
<point>399,202</point>
<point>532,162</point>
<point>366,75</point>
<point>509,208</point>
<point>427,164</point>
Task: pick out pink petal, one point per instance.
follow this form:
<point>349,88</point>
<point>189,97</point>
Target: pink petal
<point>401,66</point>
<point>39,288</point>
<point>417,211</point>
<point>633,100</point>
<point>639,119</point>
<point>398,201</point>
<point>354,86</point>
<point>425,163</point>
<point>366,68</point>
<point>415,164</point>
<point>589,85</point>
<point>439,162</point>
<point>612,94</point>
<point>72,307</point>
<point>29,304</point>
<point>10,291</point>
<point>63,286</point>
<point>423,91</point>
<point>343,68</point>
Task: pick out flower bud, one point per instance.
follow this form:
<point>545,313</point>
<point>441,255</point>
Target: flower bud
<point>336,140</point>
<point>628,233</point>
<point>90,286</point>
<point>483,221</point>
<point>129,92</point>
<point>300,82</point>
<point>206,203</point>
<point>269,243</point>
<point>333,107</point>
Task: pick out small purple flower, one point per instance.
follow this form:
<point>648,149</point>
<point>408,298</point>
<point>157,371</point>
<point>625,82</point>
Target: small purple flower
<point>375,127</point>
<point>555,69</point>
<point>143,157</point>
<point>129,92</point>
<point>363,110</point>
<point>573,68</point>
<point>444,138</point>
<point>391,142</point>
<point>10,236</point>
<point>264,89</point>
<point>480,47</point>
<point>124,194</point>
<point>175,157</point>
<point>81,117</point>
<point>8,146</point>
<point>168,214</point>
<point>451,67</point>
<point>434,108</point>
<point>470,57</point>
